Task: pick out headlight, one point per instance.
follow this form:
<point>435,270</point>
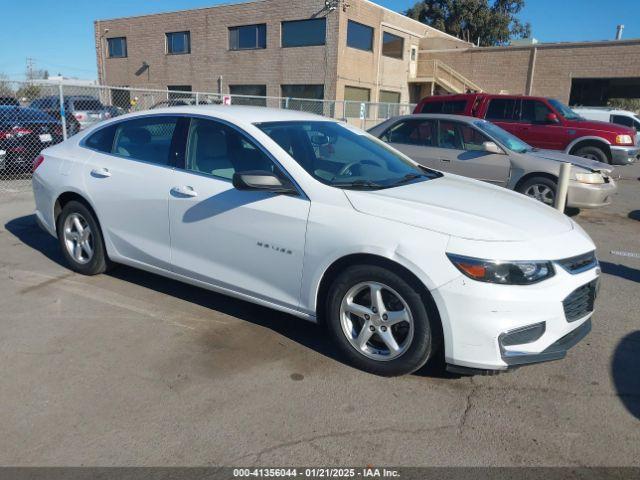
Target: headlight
<point>504,273</point>
<point>624,140</point>
<point>589,177</point>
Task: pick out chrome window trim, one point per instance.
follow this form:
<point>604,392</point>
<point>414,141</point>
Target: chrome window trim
<point>82,143</point>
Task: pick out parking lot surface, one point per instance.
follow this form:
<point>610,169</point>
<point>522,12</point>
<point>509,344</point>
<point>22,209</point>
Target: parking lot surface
<point>133,369</point>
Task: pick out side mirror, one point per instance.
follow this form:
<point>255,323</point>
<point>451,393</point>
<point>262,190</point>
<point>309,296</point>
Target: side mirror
<point>262,180</point>
<point>552,118</point>
<point>491,147</point>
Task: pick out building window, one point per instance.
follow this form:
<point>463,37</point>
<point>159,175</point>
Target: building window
<point>359,36</point>
<point>117,47</point>
<point>307,98</point>
<point>304,33</point>
<point>251,95</point>
<point>354,96</point>
<point>178,43</point>
<point>389,104</point>
<point>248,37</point>
<point>392,45</point>
<point>174,91</point>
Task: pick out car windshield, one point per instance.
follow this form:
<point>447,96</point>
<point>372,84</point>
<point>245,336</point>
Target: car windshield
<point>508,140</point>
<point>87,104</point>
<point>565,111</point>
<point>342,156</point>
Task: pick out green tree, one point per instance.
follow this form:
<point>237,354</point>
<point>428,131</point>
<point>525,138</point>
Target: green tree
<point>28,92</point>
<point>5,86</point>
<point>492,23</point>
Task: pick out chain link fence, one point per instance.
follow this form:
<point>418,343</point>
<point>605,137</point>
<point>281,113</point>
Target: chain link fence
<point>35,115</point>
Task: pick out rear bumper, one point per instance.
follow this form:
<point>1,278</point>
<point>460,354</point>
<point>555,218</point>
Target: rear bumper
<point>624,155</point>
<point>584,195</point>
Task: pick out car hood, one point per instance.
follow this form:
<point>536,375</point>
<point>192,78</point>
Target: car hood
<point>463,208</point>
<point>573,159</point>
<point>600,126</point>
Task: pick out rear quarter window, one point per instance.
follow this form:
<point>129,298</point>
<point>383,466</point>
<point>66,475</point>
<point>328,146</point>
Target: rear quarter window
<point>102,140</point>
<point>87,105</point>
<point>454,107</point>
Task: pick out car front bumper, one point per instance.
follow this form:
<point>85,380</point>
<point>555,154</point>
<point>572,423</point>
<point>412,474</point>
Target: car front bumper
<point>478,317</point>
<point>624,155</point>
<point>585,195</point>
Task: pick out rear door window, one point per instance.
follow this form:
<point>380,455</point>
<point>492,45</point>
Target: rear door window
<point>505,109</point>
<point>411,132</point>
<point>147,139</point>
<point>102,140</point>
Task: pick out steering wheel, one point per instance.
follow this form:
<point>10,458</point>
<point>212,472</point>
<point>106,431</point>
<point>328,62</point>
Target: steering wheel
<point>348,166</point>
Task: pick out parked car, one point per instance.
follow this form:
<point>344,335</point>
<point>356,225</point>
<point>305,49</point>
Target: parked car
<point>86,109</point>
<point>12,101</point>
<point>479,149</point>
<point>24,132</point>
<point>318,219</point>
<point>611,115</point>
<point>544,123</point>
<point>181,102</point>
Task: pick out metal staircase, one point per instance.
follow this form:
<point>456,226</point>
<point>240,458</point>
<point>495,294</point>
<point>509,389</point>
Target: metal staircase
<point>439,73</point>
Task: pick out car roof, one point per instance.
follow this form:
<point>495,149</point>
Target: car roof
<point>239,113</point>
<point>439,116</point>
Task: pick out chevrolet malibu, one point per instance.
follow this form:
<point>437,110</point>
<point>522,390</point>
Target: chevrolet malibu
<point>320,220</point>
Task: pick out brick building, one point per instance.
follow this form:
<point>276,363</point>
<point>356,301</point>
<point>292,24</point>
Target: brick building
<point>584,73</point>
<point>346,50</point>
<point>294,48</point>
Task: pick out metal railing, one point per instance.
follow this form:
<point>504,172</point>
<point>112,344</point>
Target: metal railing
<point>439,72</point>
<point>38,114</point>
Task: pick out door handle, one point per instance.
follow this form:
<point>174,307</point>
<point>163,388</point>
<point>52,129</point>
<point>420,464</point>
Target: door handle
<point>101,172</point>
<point>184,191</point>
<point>445,160</point>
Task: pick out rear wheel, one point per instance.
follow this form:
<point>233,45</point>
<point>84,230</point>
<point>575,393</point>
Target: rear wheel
<point>379,321</point>
<point>592,153</point>
<point>542,189</point>
<point>81,240</point>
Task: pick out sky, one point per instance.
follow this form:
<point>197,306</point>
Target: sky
<point>58,34</point>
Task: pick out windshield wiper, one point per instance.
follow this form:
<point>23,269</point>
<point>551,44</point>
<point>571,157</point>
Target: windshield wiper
<point>407,178</point>
<point>358,184</point>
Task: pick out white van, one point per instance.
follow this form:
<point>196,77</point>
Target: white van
<point>611,115</point>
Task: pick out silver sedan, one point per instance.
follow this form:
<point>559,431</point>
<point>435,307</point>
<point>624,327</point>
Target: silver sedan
<point>479,149</point>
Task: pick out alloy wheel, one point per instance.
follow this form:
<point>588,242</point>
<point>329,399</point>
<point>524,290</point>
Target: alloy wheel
<point>78,238</point>
<point>376,321</point>
<point>542,193</point>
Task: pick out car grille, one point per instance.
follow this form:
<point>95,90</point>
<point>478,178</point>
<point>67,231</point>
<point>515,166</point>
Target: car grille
<point>580,302</point>
<point>580,263</point>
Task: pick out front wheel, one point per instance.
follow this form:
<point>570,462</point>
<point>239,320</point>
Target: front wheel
<point>592,153</point>
<point>81,240</point>
<point>542,189</point>
<point>379,321</point>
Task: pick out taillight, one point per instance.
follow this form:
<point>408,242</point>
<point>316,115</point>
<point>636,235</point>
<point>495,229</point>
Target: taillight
<point>37,162</point>
<point>19,131</point>
<point>79,116</point>
<point>5,135</point>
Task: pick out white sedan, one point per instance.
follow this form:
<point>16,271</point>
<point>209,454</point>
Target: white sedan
<point>315,218</point>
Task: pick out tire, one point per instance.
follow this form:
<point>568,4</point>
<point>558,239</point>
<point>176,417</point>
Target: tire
<point>82,247</point>
<point>542,189</point>
<point>594,153</point>
<point>414,336</point>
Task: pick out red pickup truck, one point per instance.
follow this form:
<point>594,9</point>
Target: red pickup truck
<point>543,123</point>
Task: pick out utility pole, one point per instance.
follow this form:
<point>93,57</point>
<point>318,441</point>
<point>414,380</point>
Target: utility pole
<point>30,64</point>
